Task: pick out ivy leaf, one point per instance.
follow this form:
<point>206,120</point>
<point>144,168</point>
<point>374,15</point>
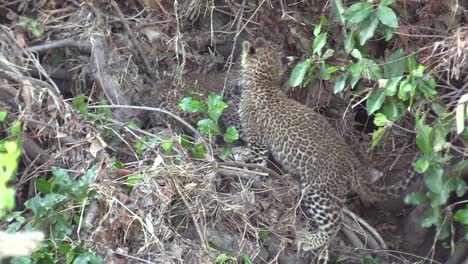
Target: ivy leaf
<point>328,53</point>
<point>318,28</point>
<point>435,219</point>
<point>434,178</point>
<point>209,127</point>
<point>337,11</point>
<point>43,186</point>
<point>391,86</point>
<point>299,72</point>
<point>375,101</point>
<point>340,83</point>
<point>358,12</point>
<point>461,216</point>
<point>406,88</point>
<point>393,109</point>
<point>16,128</point>
<point>380,120</point>
<point>216,106</point>
<point>349,42</point>
<point>188,104</point>
<point>377,136</point>
<point>427,86</point>
<point>319,43</point>
<point>415,198</point>
<point>368,27</point>
<point>370,70</point>
<point>387,16</point>
<point>225,152</point>
<point>198,151</point>
<point>421,165</point>
<point>356,54</point>
<point>231,134</point>
<point>167,147</point>
<point>438,137</point>
<point>395,64</point>
<point>386,2</point>
<point>423,139</point>
<point>3,115</point>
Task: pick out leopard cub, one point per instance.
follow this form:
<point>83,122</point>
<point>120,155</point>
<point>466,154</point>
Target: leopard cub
<point>302,142</point>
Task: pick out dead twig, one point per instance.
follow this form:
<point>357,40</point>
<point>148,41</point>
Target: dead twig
<point>132,37</point>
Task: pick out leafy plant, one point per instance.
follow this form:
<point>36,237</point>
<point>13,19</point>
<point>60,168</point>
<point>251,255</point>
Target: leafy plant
<point>10,151</point>
<point>58,206</point>
<point>400,85</point>
<point>32,26</point>
<point>213,108</point>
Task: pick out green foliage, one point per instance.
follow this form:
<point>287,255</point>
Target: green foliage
<point>398,86</point>
<point>213,107</point>
<point>32,26</point>
<point>10,151</point>
<point>370,260</point>
<point>58,205</point>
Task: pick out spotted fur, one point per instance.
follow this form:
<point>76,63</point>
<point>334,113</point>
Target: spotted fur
<point>303,142</point>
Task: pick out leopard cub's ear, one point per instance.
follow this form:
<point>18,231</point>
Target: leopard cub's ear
<point>247,47</point>
<point>259,43</point>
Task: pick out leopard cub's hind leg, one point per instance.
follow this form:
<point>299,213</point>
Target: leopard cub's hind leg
<point>321,208</point>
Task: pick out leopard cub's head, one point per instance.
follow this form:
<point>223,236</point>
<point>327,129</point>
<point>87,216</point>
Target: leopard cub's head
<point>262,61</point>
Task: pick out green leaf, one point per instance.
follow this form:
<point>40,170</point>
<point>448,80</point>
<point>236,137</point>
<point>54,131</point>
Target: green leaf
<point>415,198</point>
<point>231,134</point>
<point>43,186</point>
<point>349,42</point>
<point>198,151</point>
<point>434,178</point>
<point>386,2</point>
<point>188,104</point>
<point>393,109</point>
<point>419,71</point>
<point>167,147</point>
<point>368,27</point>
<point>438,137</point>
<point>427,86</point>
<point>421,165</point>
<point>386,31</point>
<point>456,184</point>
<point>3,115</point>
<point>185,141</point>
<point>375,101</point>
<point>340,83</point>
<point>216,106</point>
<point>133,179</point>
<point>225,152</point>
<point>411,63</point>
<point>354,80</point>
<point>370,70</point>
<point>356,54</point>
<point>406,89</point>
<point>319,43</point>
<point>380,120</point>
<point>318,28</point>
<point>461,216</point>
<point>247,259</point>
<point>387,16</point>
<point>460,167</point>
<point>391,86</point>
<point>423,139</point>
<point>358,12</point>
<point>460,117</point>
<point>223,258</point>
<point>328,53</point>
<point>209,127</point>
<point>395,64</point>
<point>435,219</point>
<point>337,11</point>
<point>377,136</point>
<point>16,128</point>
<point>370,260</point>
<point>263,235</point>
<point>299,72</point>
<point>80,104</point>
<point>324,75</point>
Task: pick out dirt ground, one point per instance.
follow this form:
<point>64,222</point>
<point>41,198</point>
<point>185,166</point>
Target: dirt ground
<point>136,53</point>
